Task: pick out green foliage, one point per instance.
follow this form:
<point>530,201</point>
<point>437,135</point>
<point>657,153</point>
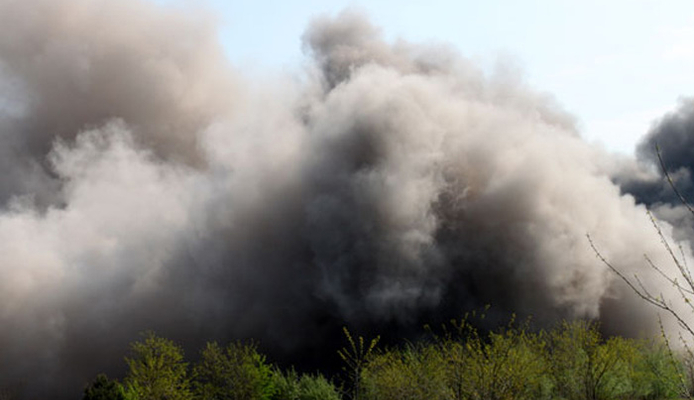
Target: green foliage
<point>237,372</point>
<point>570,362</point>
<point>157,371</point>
<point>655,374</point>
<point>510,364</point>
<point>316,387</point>
<point>586,367</point>
<point>103,388</point>
<point>417,372</point>
<point>355,357</point>
<point>286,384</point>
<point>289,386</point>
<point>685,363</point>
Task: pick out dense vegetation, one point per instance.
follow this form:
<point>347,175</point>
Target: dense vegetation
<point>571,361</point>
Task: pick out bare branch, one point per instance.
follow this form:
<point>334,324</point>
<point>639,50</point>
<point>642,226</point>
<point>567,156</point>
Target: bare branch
<point>674,281</point>
<point>658,302</point>
<point>670,181</point>
<point>683,271</point>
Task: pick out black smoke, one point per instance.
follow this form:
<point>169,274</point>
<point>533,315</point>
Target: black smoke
<point>673,137</point>
<point>146,184</point>
<point>667,148</point>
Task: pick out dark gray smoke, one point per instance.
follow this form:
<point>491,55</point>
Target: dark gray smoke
<point>146,185</point>
<point>673,137</point>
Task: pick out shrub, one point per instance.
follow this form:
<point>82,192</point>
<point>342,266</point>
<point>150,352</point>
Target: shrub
<point>103,388</point>
<point>316,387</point>
<point>237,372</point>
<point>508,365</point>
<point>289,386</point>
<point>656,374</point>
<point>157,371</point>
<point>286,384</point>
<point>416,372</point>
<point>586,367</point>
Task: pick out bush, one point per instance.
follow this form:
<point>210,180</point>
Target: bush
<point>157,371</point>
<point>570,362</point>
<point>237,372</point>
<point>103,388</point>
<point>417,372</point>
<point>316,387</point>
<point>290,386</point>
<point>508,365</point>
<point>656,374</point>
<point>586,367</point>
<point>286,385</point>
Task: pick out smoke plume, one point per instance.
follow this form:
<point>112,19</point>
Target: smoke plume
<point>148,185</point>
<point>670,139</point>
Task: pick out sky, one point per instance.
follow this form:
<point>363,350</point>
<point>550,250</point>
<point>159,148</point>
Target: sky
<point>617,65</point>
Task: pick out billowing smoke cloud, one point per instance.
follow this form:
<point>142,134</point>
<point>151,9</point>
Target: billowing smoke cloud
<point>146,185</point>
<point>673,137</point>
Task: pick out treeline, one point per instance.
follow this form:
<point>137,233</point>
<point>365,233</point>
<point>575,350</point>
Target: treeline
<point>571,361</point>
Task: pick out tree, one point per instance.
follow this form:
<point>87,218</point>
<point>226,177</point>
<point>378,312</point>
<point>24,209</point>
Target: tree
<point>654,375</point>
<point>356,357</point>
<point>682,280</point>
<point>291,386</point>
<point>316,387</point>
<point>415,372</point>
<point>103,388</point>
<point>237,372</point>
<point>508,365</point>
<point>585,367</point>
<point>157,370</point>
<point>286,384</point>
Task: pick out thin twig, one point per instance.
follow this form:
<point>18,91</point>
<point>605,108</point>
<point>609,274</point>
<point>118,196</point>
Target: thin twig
<point>670,181</point>
<point>658,302</point>
<point>666,277</point>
